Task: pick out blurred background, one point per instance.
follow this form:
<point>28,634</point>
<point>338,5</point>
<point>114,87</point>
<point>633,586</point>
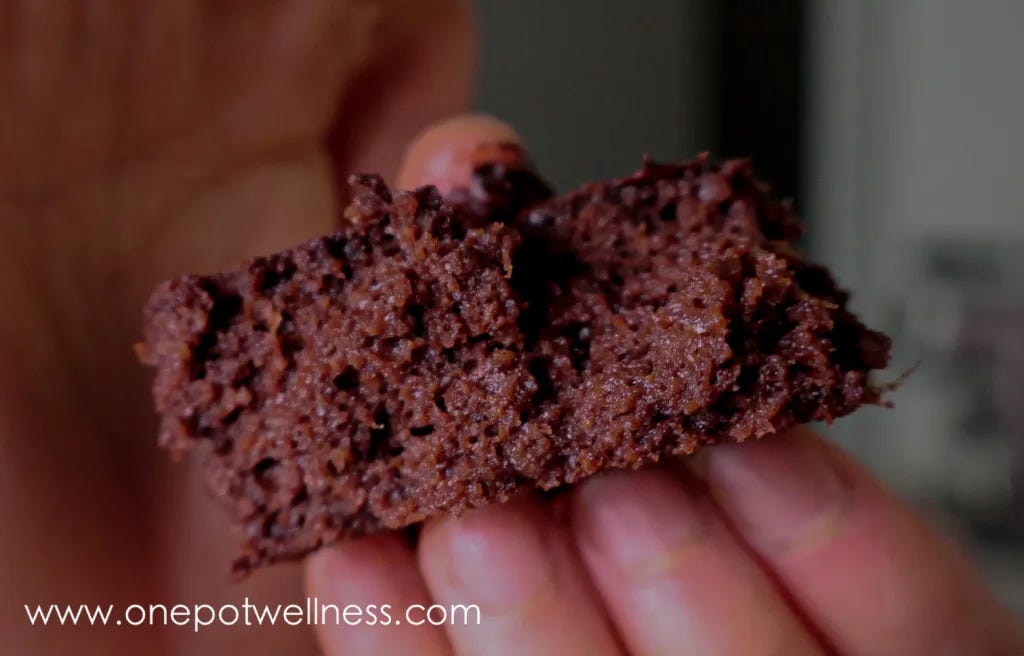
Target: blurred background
<point>897,126</point>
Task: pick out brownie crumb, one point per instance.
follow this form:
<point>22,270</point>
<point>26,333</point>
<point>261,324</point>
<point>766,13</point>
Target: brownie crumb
<point>435,354</point>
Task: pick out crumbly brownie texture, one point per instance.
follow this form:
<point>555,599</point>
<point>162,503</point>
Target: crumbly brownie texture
<point>434,355</point>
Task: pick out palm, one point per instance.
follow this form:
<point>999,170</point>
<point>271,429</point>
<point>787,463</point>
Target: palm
<point>142,143</point>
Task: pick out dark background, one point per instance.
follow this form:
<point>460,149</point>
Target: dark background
<point>722,76</point>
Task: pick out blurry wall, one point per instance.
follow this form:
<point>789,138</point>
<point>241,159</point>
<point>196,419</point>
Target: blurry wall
<point>592,85</point>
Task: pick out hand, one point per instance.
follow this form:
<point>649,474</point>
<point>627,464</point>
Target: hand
<point>140,140</point>
<point>779,547</point>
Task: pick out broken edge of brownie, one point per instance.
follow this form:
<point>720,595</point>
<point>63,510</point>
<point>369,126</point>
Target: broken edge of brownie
<point>435,355</point>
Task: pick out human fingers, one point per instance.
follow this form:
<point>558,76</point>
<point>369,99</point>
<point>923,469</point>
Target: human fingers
<point>365,588</point>
<point>673,577</point>
<point>519,567</point>
<point>862,567</point>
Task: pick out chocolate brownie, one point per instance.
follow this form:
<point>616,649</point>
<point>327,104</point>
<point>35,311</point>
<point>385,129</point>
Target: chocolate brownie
<point>439,354</point>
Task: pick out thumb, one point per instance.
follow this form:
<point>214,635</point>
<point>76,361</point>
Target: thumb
<point>442,154</point>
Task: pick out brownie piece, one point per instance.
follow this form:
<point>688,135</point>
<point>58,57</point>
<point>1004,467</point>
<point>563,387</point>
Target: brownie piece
<point>362,380</point>
<point>439,354</point>
<point>670,310</point>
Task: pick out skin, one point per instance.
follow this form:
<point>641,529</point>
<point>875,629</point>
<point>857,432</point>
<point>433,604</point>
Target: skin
<point>140,140</point>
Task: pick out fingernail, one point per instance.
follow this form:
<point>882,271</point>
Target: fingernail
<point>639,523</point>
<point>443,154</point>
<point>782,493</point>
<point>495,557</point>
